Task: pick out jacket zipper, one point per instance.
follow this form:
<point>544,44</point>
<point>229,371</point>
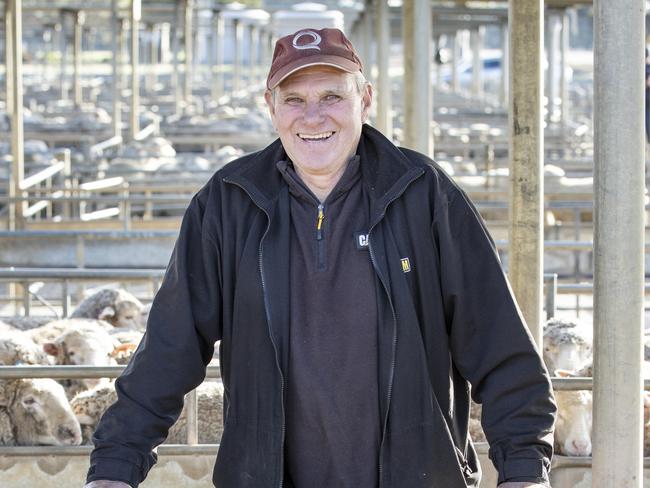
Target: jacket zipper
<point>319,236</point>
<point>268,321</point>
<point>392,308</point>
<point>394,347</point>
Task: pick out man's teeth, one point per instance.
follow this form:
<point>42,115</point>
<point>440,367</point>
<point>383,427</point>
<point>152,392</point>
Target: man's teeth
<point>316,137</point>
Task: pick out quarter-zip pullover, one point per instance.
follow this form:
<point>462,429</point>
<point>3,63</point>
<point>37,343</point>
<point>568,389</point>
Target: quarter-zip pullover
<point>332,408</point>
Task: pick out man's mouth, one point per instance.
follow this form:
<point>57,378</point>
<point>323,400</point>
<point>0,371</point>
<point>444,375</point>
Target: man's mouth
<point>321,136</point>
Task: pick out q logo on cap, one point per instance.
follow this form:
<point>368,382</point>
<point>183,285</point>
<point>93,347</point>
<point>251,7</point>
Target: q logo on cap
<point>311,45</point>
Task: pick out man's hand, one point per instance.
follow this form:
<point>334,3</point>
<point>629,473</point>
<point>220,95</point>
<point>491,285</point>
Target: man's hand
<point>521,484</point>
<point>106,484</point>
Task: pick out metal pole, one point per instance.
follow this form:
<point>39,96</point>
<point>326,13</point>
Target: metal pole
<point>383,92</point>
<point>187,92</point>
<point>116,61</point>
<point>135,79</point>
<point>366,29</point>
<point>250,31</point>
<point>417,73</point>
<point>455,60</point>
<point>619,150</point>
<point>526,144</point>
<point>124,76</point>
<point>9,39</point>
<point>505,66</point>
<point>64,48</point>
<point>191,420</point>
<point>76,56</point>
<point>476,40</point>
<point>238,29</point>
<point>175,79</point>
<point>153,58</point>
<point>564,86</point>
<point>217,84</point>
<point>16,220</point>
<point>553,51</point>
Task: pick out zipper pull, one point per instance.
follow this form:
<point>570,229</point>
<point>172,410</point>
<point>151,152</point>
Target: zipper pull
<point>319,223</point>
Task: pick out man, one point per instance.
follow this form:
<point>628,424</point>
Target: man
<point>356,294</point>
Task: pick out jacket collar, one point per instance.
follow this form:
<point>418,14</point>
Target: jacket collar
<point>385,172</point>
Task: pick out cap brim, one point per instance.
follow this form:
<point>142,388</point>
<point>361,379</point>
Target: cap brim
<point>333,61</point>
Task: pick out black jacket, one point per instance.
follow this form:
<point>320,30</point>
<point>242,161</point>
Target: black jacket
<point>447,319</point>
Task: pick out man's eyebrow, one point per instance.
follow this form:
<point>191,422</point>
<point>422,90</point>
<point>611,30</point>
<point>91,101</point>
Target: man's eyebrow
<point>329,91</point>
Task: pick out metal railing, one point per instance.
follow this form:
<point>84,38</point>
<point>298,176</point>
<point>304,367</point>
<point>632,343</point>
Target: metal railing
<point>82,372</point>
<point>25,276</point>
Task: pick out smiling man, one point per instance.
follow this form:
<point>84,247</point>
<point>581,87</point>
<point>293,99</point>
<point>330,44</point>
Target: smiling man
<point>358,300</point>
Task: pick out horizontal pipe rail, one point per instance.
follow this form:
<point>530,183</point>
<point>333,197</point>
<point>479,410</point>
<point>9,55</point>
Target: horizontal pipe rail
<point>81,274</point>
<point>88,234</point>
<point>163,450</point>
<point>108,199</point>
<point>59,372</point>
<point>213,372</point>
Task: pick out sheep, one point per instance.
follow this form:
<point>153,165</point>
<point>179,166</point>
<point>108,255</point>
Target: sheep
<point>26,323</point>
<point>574,417</point>
<point>125,343</point>
<point>567,345</point>
<point>90,405</point>
<point>16,347</point>
<point>475,427</point>
<point>78,342</point>
<point>85,344</point>
<point>118,307</point>
<point>36,412</point>
<point>53,329</point>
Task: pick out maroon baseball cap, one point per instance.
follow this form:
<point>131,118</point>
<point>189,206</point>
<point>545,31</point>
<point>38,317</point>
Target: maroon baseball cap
<point>311,47</point>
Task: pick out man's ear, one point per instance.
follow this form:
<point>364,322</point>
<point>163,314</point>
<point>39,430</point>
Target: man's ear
<point>366,100</point>
<point>268,97</point>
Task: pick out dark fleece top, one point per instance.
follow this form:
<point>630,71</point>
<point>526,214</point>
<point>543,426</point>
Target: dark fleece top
<point>332,405</point>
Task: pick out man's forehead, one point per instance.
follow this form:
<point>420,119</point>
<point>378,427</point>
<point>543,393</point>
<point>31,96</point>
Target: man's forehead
<point>331,78</point>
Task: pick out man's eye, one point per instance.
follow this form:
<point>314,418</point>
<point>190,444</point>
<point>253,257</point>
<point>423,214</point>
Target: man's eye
<point>293,100</point>
<point>332,98</point>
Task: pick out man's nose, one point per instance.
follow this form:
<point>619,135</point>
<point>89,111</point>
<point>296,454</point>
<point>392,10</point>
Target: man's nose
<point>312,112</point>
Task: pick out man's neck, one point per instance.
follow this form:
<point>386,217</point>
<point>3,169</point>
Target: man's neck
<point>321,184</point>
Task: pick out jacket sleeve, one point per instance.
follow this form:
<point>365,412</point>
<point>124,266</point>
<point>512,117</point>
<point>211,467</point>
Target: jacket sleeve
<point>490,344</point>
<point>184,323</point>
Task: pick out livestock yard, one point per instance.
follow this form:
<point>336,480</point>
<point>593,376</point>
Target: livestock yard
<point>115,112</point>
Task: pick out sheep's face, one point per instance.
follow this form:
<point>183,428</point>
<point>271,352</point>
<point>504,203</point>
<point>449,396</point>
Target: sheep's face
<point>126,314</point>
<point>567,355</point>
<point>573,423</point>
<point>42,415</point>
<point>82,347</point>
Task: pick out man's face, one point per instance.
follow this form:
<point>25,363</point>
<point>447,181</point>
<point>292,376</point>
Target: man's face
<point>318,113</point>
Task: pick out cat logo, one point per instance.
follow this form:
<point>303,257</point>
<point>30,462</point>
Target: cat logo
<point>361,241</point>
<point>406,265</point>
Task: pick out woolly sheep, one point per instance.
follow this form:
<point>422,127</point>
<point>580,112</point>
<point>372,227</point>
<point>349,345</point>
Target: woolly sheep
<point>573,422</point>
<point>118,307</point>
<point>16,347</point>
<point>53,329</point>
<point>567,345</point>
<point>26,323</point>
<point>475,427</point>
<point>90,405</point>
<point>574,419</point>
<point>36,412</point>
